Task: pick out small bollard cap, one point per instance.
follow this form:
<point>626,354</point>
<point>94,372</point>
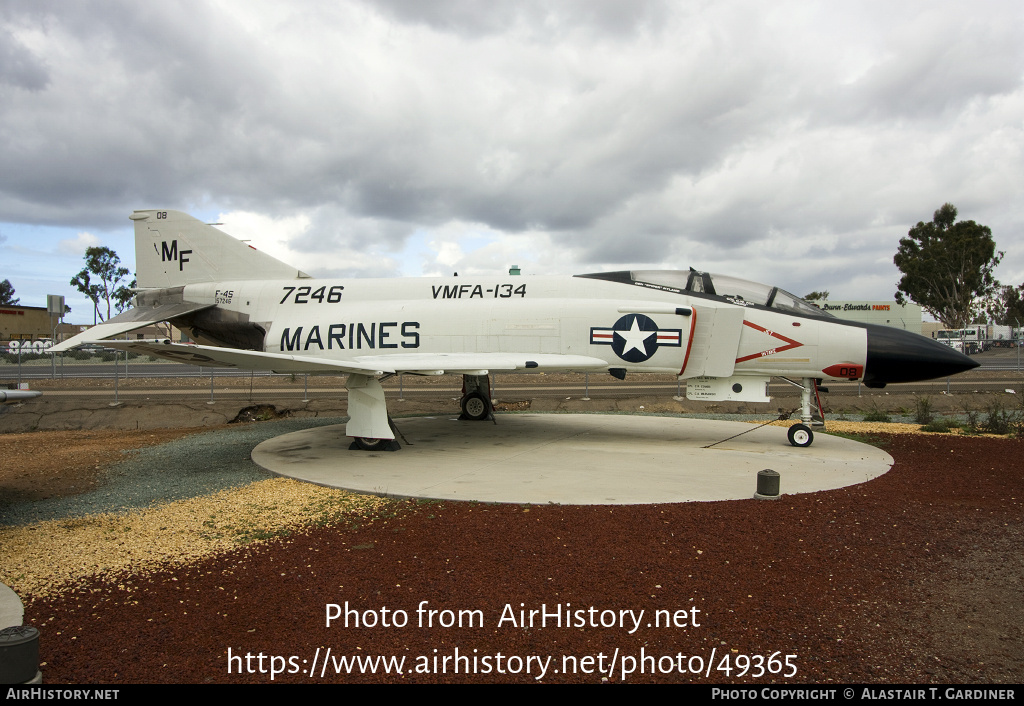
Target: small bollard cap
<point>767,485</point>
<point>19,654</point>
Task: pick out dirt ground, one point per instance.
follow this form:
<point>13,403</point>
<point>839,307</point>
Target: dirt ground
<point>914,577</point>
<point>45,464</point>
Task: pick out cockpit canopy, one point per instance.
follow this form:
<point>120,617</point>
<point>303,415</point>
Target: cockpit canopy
<point>739,291</point>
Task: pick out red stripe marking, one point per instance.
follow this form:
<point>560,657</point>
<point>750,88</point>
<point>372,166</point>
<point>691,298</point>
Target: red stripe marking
<point>689,342</point>
<point>772,351</point>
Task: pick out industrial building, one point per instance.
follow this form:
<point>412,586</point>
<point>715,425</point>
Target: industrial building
<point>27,323</point>
<point>887,313</point>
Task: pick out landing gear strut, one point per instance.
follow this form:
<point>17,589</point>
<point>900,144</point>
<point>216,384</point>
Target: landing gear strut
<point>811,413</point>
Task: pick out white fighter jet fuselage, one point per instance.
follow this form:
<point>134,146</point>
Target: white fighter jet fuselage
<point>726,336</point>
<point>632,328</point>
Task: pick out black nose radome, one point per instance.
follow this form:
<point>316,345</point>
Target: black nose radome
<point>901,356</point>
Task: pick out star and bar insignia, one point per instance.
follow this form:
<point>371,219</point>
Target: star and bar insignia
<point>635,337</point>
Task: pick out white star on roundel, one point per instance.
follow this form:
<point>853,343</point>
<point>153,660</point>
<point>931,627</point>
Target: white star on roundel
<point>635,338</point>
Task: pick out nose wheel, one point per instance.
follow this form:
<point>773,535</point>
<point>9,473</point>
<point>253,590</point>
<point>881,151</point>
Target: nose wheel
<point>800,435</point>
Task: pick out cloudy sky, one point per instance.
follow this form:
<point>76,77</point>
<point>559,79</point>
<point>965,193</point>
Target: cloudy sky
<point>787,142</point>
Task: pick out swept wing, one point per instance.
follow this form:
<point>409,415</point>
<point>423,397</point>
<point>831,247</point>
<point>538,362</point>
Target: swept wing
<point>414,363</point>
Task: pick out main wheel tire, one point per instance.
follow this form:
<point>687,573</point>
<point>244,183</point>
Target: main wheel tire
<point>800,435</point>
<point>371,444</point>
<point>475,407</point>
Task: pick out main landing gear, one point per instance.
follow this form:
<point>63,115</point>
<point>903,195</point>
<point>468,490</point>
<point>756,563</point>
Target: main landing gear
<point>372,429</point>
<point>368,420</point>
<point>474,407</point>
<point>476,398</point>
<point>363,444</point>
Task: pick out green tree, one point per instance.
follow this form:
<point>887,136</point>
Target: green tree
<point>7,293</point>
<point>83,282</point>
<point>947,267</point>
<point>816,296</point>
<point>123,296</point>
<point>1007,308</point>
<point>105,265</point>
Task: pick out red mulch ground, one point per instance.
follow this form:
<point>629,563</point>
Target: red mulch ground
<point>913,577</point>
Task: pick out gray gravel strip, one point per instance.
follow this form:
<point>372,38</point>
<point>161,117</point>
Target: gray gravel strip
<point>195,465</point>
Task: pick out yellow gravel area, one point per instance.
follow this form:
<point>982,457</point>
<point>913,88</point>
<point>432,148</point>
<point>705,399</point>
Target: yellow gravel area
<point>844,427</point>
<point>43,558</point>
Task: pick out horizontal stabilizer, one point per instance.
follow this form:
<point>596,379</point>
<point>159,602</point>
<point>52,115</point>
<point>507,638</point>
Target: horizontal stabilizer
<point>130,320</point>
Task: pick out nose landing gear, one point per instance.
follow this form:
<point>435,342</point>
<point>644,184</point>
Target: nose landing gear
<point>811,413</point>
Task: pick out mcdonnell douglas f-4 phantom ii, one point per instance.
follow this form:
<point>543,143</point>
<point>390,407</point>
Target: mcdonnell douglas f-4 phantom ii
<point>726,336</point>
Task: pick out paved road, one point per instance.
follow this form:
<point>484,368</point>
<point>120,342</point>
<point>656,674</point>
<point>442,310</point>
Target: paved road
<point>146,370</point>
<point>508,391</point>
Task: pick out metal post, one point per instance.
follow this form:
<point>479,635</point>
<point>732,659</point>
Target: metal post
<point>211,387</point>
<point>116,400</point>
<point>1017,341</point>
<point>586,386</point>
<point>305,389</point>
<point>947,386</point>
<point>401,389</point>
<point>53,342</point>
<point>19,365</point>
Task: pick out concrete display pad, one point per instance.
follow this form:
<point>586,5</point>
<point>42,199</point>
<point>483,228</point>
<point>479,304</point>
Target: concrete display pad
<point>11,609</point>
<point>572,459</point>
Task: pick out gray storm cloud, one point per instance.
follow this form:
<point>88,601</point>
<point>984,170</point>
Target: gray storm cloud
<point>627,133</point>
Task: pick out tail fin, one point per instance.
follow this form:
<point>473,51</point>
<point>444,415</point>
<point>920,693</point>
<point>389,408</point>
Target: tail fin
<point>174,249</point>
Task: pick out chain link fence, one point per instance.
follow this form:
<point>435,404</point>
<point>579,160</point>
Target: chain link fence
<point>115,376</point>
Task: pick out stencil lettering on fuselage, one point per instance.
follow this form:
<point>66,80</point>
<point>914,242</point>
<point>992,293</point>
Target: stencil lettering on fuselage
<point>477,291</point>
<point>352,336</point>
